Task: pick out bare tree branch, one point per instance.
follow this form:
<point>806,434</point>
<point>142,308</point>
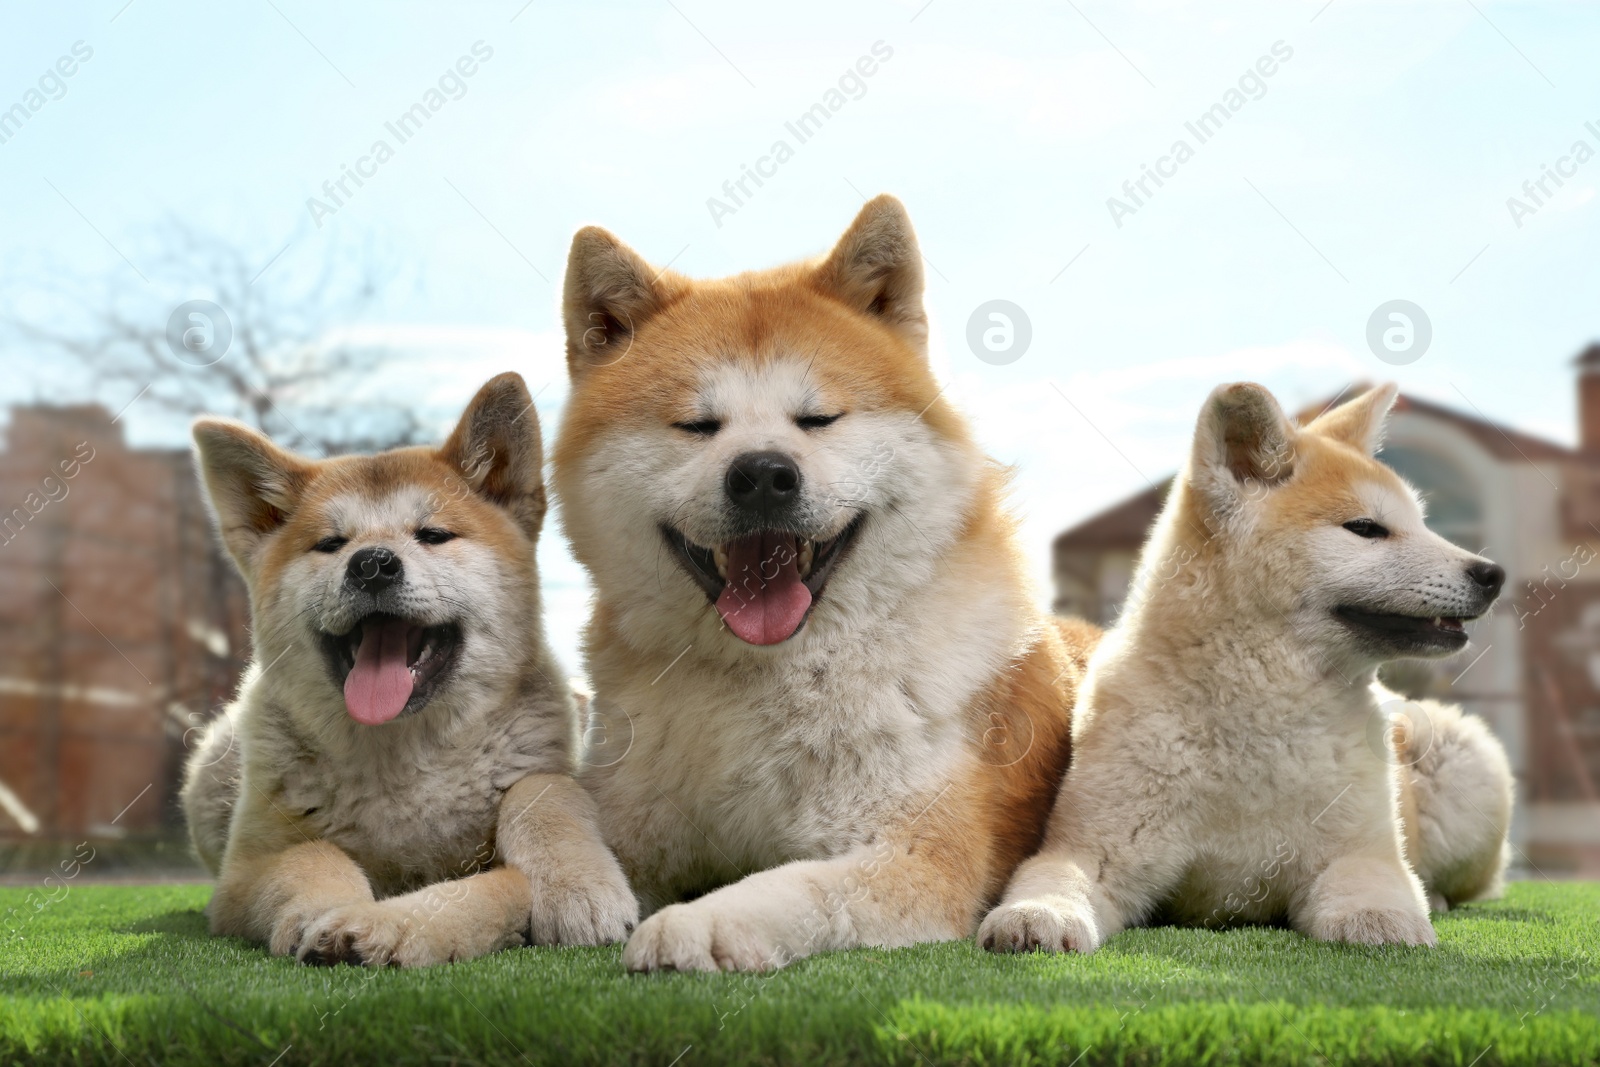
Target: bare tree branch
<point>281,372</point>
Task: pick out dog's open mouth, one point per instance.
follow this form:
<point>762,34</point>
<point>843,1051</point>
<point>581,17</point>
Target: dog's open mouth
<point>764,584</point>
<point>1436,631</point>
<point>389,666</point>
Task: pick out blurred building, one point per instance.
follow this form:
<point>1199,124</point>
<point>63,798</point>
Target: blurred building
<point>1533,668</point>
<point>121,625</point>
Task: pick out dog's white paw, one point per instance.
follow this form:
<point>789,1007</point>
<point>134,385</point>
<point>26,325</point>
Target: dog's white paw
<point>355,933</point>
<point>598,911</point>
<point>700,936</point>
<point>289,932</point>
<point>1376,926</point>
<point>384,934</point>
<point>1054,925</point>
<point>1437,902</point>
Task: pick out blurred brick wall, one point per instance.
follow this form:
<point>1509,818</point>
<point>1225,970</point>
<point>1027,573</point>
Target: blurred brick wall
<point>121,625</point>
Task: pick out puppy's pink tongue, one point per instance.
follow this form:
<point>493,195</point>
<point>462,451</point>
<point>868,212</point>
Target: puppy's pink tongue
<point>764,601</point>
<point>379,685</point>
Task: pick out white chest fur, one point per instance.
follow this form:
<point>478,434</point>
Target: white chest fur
<point>794,758</point>
<point>1250,796</point>
<point>412,802</point>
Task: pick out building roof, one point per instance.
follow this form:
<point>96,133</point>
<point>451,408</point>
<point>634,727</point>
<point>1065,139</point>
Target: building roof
<point>1501,442</point>
<point>1125,525</point>
<point>33,418</point>
<point>1120,526</point>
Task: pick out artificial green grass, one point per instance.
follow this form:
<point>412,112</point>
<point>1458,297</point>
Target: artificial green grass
<point>127,975</point>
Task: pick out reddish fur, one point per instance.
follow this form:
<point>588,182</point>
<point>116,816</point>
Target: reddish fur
<point>1331,456</point>
<point>374,478</point>
<point>963,848</point>
<point>753,318</point>
<point>278,882</point>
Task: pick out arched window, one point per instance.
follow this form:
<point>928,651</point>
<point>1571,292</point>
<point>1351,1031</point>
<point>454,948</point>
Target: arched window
<point>1452,499</point>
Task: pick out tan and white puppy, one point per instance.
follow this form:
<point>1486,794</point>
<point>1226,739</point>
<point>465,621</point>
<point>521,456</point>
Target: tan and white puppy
<point>1232,761</point>
<point>393,783</point>
<point>819,672</point>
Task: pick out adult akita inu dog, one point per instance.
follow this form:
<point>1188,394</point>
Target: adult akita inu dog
<point>814,652</point>
<point>403,723</point>
<point>1231,759</point>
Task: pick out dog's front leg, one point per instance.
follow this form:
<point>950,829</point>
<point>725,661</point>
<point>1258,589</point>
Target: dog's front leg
<point>549,829</point>
<point>1054,904</point>
<point>922,881</point>
<point>873,895</point>
<point>440,923</point>
<point>275,894</point>
<point>1371,898</point>
<point>1107,857</point>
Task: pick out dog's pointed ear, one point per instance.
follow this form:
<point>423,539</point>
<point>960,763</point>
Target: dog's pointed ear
<point>496,449</point>
<point>254,486</point>
<point>609,292</point>
<point>1243,442</point>
<point>876,268</point>
<point>1359,423</point>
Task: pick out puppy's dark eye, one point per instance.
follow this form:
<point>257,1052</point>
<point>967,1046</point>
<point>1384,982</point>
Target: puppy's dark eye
<point>702,428</point>
<point>432,535</point>
<point>1367,528</point>
<point>330,544</point>
<point>817,422</point>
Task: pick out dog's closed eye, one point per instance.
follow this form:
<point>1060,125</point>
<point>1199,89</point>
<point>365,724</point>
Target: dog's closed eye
<point>700,428</point>
<point>1367,528</point>
<point>330,544</point>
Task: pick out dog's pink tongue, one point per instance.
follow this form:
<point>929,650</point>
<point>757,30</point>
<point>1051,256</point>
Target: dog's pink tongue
<point>764,601</point>
<point>380,683</point>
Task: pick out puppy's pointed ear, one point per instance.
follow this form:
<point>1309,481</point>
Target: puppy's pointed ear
<point>609,292</point>
<point>254,485</point>
<point>876,268</point>
<point>496,449</point>
<point>1243,442</point>
<point>1359,423</point>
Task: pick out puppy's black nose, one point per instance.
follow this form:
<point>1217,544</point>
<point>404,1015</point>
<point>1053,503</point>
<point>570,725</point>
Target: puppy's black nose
<point>1489,576</point>
<point>762,482</point>
<point>372,570</point>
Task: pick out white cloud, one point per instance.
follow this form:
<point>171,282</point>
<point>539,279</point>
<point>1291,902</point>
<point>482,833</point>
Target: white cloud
<point>437,367</point>
<point>1041,99</point>
<point>1574,200</point>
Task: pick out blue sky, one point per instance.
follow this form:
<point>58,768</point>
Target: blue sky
<point>1374,163</point>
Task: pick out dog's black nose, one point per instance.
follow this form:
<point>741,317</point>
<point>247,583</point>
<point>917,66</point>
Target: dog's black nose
<point>1489,576</point>
<point>763,482</point>
<point>372,570</point>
